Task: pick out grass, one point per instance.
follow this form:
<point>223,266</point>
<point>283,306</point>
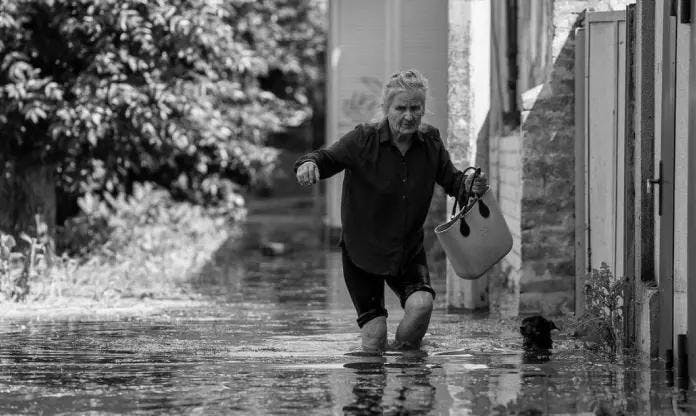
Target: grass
<point>119,251</point>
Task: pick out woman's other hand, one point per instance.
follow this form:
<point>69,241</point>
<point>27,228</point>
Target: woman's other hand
<point>480,183</point>
<point>308,174</point>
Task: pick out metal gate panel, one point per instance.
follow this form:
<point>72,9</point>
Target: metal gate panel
<point>681,164</point>
<point>580,174</point>
<point>664,193</point>
<point>605,73</point>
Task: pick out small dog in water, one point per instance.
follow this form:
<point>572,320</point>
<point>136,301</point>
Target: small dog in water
<point>536,331</point>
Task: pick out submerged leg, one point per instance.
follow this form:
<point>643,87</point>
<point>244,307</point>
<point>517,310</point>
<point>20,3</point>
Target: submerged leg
<point>374,334</point>
<point>413,326</point>
<point>367,293</point>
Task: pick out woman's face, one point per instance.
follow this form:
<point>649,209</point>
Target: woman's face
<point>405,112</point>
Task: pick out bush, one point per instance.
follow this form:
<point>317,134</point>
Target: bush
<point>145,243</point>
<point>109,224</point>
<point>20,264</point>
<point>602,324</point>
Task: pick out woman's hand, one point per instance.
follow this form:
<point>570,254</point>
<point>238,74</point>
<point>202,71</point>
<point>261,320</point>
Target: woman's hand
<point>480,183</point>
<point>308,174</point>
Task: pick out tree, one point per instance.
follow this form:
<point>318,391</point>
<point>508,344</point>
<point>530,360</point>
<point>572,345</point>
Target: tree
<point>97,94</point>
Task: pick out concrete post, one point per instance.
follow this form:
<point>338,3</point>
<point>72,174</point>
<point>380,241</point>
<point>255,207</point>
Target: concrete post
<point>469,102</point>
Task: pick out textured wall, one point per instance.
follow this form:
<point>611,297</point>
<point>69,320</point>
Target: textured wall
<point>546,144</point>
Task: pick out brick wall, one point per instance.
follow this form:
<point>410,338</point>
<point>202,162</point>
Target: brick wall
<point>533,165</point>
<point>547,136</point>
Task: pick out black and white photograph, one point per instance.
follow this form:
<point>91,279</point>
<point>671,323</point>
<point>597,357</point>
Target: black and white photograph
<point>348,207</point>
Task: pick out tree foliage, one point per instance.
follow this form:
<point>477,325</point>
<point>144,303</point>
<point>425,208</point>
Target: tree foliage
<point>114,91</point>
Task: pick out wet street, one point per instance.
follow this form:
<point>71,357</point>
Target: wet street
<point>279,337</point>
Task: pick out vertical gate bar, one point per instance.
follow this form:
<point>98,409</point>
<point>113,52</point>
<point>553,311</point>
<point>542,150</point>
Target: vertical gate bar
<point>629,311</point>
<point>580,215</point>
<point>691,221</point>
<point>586,147</point>
<point>666,238</point>
<point>615,173</point>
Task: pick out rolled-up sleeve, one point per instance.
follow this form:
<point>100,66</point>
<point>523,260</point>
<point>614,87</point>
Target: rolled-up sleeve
<point>333,159</point>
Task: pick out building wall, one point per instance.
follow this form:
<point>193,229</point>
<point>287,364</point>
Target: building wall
<point>547,137</point>
<point>546,144</point>
<point>545,87</point>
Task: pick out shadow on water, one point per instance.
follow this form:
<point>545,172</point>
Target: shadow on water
<point>279,337</point>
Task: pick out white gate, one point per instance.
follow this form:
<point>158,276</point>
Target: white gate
<point>600,112</point>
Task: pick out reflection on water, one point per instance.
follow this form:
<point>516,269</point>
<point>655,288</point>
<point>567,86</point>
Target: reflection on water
<point>279,337</point>
<point>399,387</point>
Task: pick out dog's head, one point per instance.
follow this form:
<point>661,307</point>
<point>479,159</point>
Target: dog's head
<point>536,331</point>
<point>535,326</point>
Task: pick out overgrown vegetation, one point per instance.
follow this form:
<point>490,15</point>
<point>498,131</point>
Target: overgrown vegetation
<point>98,97</point>
<point>182,93</point>
<point>602,324</point>
<point>143,245</point>
<point>18,268</point>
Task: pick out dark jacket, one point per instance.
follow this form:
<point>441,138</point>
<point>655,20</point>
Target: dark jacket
<point>386,196</point>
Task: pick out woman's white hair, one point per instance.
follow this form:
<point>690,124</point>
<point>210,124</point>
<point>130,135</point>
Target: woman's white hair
<point>407,80</point>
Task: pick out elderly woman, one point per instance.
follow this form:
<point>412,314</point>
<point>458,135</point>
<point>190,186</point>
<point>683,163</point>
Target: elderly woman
<point>391,168</point>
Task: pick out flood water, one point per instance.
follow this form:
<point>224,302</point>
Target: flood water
<point>279,337</point>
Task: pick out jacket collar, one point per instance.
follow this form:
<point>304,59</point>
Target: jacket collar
<point>385,134</point>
